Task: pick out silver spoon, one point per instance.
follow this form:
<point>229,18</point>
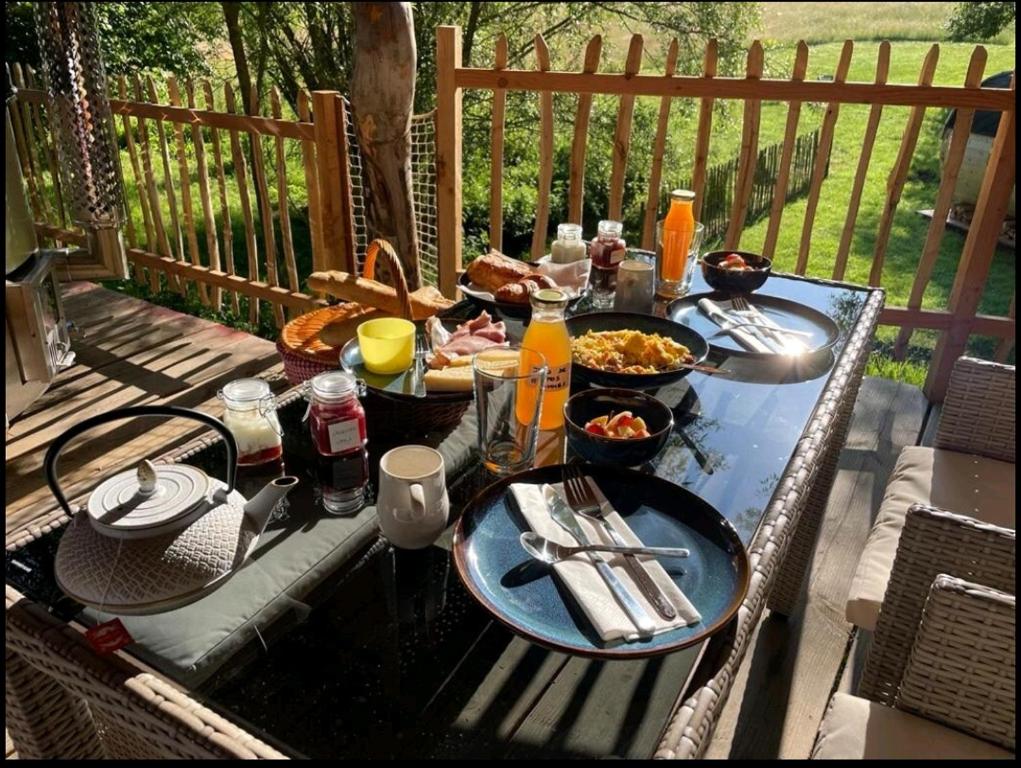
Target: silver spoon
<point>548,551</point>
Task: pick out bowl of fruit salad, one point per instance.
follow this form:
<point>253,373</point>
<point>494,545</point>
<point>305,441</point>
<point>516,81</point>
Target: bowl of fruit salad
<point>617,426</point>
<point>735,271</point>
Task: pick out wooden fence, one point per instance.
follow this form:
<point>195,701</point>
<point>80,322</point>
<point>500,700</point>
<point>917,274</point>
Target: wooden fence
<point>722,181</point>
<point>955,323</point>
<point>188,159</point>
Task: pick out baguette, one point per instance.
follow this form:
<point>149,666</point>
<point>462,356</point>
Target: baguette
<point>425,302</point>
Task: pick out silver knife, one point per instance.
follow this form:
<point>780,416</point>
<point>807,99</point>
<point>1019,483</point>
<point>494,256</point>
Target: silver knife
<point>643,579</point>
<point>716,314</point>
<point>565,518</point>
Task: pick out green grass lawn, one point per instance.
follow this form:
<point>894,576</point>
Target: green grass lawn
<point>829,22</point>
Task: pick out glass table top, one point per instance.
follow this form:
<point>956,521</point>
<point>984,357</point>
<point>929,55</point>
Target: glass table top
<point>354,649</point>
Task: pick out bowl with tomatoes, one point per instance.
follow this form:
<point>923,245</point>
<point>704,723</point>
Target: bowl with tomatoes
<point>735,271</point>
<point>617,426</point>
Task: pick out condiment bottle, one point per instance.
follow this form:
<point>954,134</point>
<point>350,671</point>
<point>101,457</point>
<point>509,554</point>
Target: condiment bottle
<point>250,414</point>
<point>607,251</point>
<point>547,334</point>
<point>337,419</point>
<point>678,229</point>
<point>568,247</point>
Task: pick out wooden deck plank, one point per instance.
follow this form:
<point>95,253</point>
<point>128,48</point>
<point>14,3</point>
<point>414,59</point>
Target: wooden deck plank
<point>785,681</point>
<point>132,353</point>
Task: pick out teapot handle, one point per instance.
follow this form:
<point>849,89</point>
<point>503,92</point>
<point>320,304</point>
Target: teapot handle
<point>53,453</point>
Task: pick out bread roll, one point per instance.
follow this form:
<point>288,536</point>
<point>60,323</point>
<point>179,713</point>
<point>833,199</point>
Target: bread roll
<point>512,293</point>
<point>494,270</point>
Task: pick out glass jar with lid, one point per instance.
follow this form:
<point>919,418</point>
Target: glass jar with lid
<point>568,247</point>
<point>607,251</point>
<point>250,413</point>
<point>336,416</point>
<point>337,425</point>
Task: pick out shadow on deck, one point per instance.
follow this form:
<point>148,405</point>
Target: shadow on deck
<point>130,353</point>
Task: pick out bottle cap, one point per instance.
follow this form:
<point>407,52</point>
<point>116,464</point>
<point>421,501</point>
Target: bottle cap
<point>549,297</point>
<point>685,195</point>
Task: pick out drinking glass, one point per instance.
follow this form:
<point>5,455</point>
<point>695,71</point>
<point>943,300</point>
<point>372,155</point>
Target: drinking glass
<point>636,283</point>
<point>509,383</point>
<point>671,287</point>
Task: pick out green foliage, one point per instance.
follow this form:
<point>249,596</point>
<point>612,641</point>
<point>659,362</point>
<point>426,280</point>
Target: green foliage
<point>135,36</point>
<point>979,21</point>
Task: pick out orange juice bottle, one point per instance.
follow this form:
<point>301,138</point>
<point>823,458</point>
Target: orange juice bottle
<point>678,229</point>
<point>547,334</point>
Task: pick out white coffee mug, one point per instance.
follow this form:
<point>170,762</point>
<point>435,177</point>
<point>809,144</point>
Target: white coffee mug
<point>412,503</point>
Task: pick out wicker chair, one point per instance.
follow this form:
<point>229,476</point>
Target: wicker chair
<point>64,701</point>
<point>969,470</point>
<point>956,694</point>
<point>939,678</point>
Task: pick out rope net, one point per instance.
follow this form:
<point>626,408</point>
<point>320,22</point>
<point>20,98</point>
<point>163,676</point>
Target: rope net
<point>423,188</point>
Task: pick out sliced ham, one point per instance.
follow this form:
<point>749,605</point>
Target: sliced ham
<point>470,337</point>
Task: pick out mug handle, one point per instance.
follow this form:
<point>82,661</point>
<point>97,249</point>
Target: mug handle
<point>417,494</point>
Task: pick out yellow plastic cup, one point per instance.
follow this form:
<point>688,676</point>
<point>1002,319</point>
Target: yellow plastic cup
<point>387,344</point>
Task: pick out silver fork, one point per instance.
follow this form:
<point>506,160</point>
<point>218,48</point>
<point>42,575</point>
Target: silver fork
<point>421,350</point>
<point>583,501</point>
<point>740,304</point>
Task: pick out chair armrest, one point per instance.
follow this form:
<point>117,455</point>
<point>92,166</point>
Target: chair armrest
<point>961,668</point>
<point>933,542</point>
<point>978,412</point>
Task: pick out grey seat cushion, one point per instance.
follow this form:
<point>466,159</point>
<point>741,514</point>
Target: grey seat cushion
<point>859,729</point>
<point>958,482</point>
<point>189,644</point>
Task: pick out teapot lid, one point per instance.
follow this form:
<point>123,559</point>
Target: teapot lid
<point>148,500</point>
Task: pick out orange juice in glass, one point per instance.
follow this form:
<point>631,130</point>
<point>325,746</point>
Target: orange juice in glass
<point>675,242</point>
<point>547,334</point>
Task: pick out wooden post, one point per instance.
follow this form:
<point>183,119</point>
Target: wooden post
<point>496,153</point>
<point>864,158</point>
<point>658,148</point>
<point>622,134</point>
<point>790,138</point>
<point>749,158</point>
<point>448,157</point>
<point>331,156</point>
<point>382,99</point>
<point>576,186</point>
<point>705,127</point>
<point>899,174</point>
<point>952,161</point>
<point>977,256</point>
<point>542,63</point>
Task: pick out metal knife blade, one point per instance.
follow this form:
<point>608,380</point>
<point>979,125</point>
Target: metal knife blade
<point>565,518</point>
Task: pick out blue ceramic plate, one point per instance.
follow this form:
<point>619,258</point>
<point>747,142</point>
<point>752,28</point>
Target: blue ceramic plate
<point>525,595</point>
<point>784,312</point>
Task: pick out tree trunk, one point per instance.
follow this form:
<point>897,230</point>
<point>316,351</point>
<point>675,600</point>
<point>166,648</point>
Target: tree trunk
<point>382,98</point>
<point>231,15</point>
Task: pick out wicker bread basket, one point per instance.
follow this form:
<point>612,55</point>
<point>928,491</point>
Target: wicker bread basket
<point>305,354</point>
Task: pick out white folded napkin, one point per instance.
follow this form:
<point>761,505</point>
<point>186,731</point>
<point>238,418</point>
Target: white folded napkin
<point>717,315</point>
<point>571,278</point>
<point>582,579</point>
